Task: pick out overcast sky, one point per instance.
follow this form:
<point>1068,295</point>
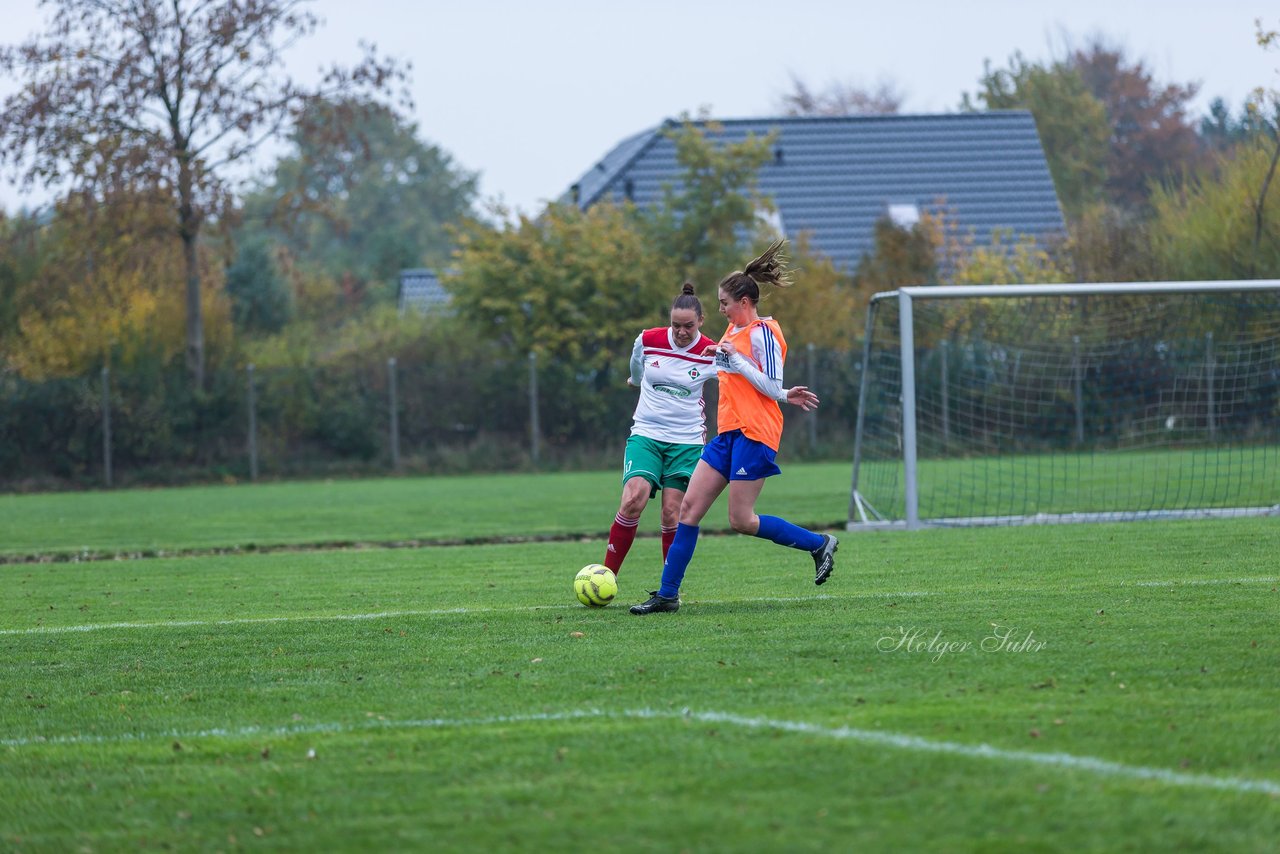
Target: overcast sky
<point>531,93</point>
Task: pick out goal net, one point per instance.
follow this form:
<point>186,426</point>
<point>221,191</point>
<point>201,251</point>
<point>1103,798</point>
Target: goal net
<point>1014,404</point>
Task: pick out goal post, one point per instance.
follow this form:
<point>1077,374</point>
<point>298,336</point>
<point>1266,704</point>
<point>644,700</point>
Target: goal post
<point>1021,404</point>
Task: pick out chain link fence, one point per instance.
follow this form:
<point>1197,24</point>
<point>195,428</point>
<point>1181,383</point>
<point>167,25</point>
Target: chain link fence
<point>357,418</point>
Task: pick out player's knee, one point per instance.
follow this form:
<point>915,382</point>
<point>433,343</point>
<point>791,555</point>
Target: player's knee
<point>743,523</point>
<point>691,514</point>
<point>632,507</point>
<point>634,498</point>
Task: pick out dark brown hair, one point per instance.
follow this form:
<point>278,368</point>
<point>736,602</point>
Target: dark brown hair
<point>686,299</point>
<point>768,269</point>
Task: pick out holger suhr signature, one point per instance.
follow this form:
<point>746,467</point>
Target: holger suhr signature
<point>936,645</point>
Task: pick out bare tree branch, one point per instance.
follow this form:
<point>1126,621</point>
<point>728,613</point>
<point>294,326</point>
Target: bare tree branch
<point>160,96</point>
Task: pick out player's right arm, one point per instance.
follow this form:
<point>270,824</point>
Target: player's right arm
<point>637,362</point>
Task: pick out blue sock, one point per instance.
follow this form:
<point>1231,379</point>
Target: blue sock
<point>786,534</point>
<point>678,557</point>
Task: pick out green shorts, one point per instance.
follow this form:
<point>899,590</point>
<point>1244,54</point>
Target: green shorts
<point>666,465</point>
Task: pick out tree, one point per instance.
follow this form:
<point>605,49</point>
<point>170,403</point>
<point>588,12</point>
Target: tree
<point>1220,130</point>
<point>841,99</point>
<point>1071,121</point>
<point>1244,180</point>
<point>104,296</point>
<point>702,220</point>
<point>1266,102</point>
<point>578,284</point>
<point>1220,222</point>
<point>1152,137</point>
<point>1109,244</point>
<point>362,195</point>
<point>19,274</point>
<point>1225,222</point>
<point>902,256</point>
<point>571,285</point>
<point>1006,261</point>
<point>260,297</point>
<point>574,288</point>
<point>157,97</point>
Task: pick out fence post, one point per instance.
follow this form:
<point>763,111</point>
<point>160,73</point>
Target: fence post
<point>395,413</point>
<point>946,395</point>
<point>1077,370</point>
<point>813,414</point>
<point>253,425</point>
<point>533,406</point>
<point>106,425</point>
<point>1210,402</point>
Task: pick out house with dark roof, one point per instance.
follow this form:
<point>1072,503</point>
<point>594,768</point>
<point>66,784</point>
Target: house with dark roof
<point>835,176</point>
<point>420,289</point>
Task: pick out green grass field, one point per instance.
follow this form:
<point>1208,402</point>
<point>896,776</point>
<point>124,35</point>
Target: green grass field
<point>446,509</point>
<point>1059,688</point>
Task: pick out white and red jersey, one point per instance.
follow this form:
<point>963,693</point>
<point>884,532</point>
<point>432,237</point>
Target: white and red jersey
<point>671,408</point>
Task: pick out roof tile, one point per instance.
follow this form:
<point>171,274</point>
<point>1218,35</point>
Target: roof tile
<point>838,174</point>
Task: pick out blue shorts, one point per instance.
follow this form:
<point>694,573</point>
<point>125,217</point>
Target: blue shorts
<point>736,457</point>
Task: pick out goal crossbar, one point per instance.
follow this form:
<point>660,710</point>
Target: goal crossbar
<point>1101,288</point>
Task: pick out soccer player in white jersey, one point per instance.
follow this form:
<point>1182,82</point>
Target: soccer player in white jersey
<point>670,367</point>
<point>750,357</point>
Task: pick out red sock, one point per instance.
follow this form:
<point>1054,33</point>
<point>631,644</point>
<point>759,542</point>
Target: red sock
<point>668,534</point>
<point>622,533</point>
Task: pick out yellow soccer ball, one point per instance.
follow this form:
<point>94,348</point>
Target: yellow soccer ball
<point>595,585</point>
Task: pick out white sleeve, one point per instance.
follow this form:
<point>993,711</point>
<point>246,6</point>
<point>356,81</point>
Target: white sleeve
<point>768,386</point>
<point>637,361</point>
<point>766,351</point>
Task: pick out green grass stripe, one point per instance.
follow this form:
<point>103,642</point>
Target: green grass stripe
<point>482,508</point>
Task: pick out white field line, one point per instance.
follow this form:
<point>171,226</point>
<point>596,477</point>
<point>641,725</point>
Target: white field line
<point>1174,582</point>
<point>320,618</point>
<point>1199,582</point>
<point>876,738</point>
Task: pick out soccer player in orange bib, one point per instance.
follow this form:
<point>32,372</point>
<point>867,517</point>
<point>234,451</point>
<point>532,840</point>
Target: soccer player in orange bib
<point>670,365</point>
<point>749,361</point>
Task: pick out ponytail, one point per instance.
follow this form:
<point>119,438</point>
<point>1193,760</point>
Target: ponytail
<point>770,268</point>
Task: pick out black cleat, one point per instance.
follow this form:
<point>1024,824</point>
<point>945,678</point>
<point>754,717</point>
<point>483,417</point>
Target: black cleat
<point>824,558</point>
<point>657,604</point>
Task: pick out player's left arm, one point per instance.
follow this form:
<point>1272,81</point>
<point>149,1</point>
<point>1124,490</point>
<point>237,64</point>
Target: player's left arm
<point>709,349</point>
<point>765,372</point>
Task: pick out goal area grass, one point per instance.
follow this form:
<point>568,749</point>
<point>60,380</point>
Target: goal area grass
<point>1078,687</point>
<point>1168,480</point>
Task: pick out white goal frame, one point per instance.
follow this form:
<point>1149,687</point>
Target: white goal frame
<point>862,516</point>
